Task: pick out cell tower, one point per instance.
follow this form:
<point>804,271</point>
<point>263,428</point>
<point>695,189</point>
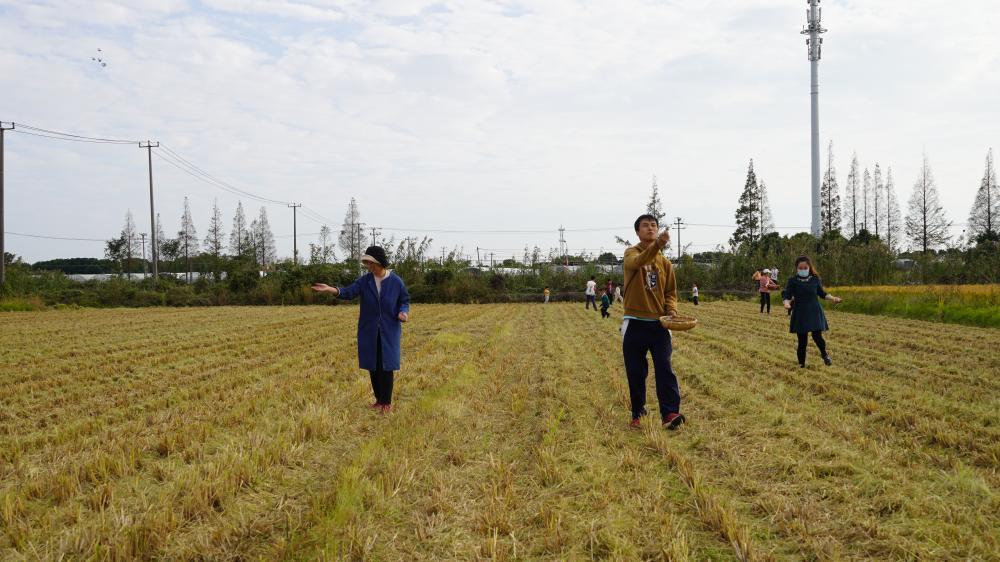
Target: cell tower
<point>563,251</point>
<point>815,47</point>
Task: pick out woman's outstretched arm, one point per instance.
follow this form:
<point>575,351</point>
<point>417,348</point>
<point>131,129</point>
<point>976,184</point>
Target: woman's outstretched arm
<point>348,292</point>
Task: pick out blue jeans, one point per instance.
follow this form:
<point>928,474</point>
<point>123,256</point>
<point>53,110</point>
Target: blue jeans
<point>591,300</point>
<point>639,338</point>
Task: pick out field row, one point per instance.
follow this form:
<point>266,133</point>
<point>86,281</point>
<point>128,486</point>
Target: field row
<point>241,433</point>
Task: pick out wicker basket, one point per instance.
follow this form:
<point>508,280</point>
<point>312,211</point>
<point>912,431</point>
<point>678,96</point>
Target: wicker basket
<point>678,323</point>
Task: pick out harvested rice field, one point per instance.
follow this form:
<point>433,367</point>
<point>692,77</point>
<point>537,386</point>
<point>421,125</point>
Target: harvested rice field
<point>246,433</point>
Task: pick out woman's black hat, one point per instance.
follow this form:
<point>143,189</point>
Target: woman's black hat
<point>377,255</point>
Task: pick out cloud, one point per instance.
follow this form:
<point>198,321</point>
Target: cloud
<point>481,115</point>
<point>302,11</point>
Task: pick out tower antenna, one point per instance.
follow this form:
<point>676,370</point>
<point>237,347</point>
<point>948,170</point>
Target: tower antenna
<point>814,45</point>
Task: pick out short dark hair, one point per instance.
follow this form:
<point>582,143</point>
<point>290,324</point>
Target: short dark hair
<point>647,217</point>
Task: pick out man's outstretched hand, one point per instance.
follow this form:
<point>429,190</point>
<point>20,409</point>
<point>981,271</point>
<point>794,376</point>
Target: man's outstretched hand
<point>664,238</point>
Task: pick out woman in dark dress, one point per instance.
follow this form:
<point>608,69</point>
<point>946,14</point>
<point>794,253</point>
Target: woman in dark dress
<point>806,289</point>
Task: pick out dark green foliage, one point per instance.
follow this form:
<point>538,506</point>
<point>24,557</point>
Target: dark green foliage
<point>863,260</point>
<point>71,266</point>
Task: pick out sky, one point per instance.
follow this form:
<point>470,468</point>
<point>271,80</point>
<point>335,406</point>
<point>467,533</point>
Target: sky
<point>479,116</point>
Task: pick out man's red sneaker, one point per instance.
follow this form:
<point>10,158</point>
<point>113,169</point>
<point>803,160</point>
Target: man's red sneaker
<point>376,405</point>
<point>673,420</point>
<point>635,424</point>
<point>386,408</point>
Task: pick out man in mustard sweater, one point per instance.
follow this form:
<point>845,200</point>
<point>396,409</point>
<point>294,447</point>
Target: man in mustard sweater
<point>650,292</point>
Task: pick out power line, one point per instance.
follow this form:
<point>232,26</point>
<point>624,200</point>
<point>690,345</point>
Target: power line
<point>54,237</point>
<point>316,217</point>
<point>83,138</point>
<point>185,165</point>
<point>171,157</point>
<point>460,231</point>
<point>71,238</point>
<point>176,164</point>
<point>68,139</point>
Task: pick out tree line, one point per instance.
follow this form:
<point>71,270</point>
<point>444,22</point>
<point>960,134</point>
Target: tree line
<point>870,209</point>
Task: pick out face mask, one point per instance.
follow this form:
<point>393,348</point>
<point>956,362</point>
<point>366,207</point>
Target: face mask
<point>803,273</point>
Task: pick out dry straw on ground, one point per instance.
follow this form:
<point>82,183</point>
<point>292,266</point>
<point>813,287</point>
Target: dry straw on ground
<point>244,433</point>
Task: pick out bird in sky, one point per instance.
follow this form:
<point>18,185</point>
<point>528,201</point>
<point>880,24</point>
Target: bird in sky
<point>99,59</point>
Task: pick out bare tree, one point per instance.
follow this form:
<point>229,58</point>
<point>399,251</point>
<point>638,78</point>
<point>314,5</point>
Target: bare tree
<point>352,237</point>
<point>984,219</point>
<point>187,238</point>
<point>866,195</point>
<point>877,196</point>
<point>262,240</point>
<point>123,248</point>
<point>323,251</point>
<point>830,196</point>
<point>163,244</point>
<point>852,198</point>
<point>893,220</point>
<point>239,237</point>
<point>764,207</point>
<point>214,236</point>
<point>213,239</point>
<point>926,224</point>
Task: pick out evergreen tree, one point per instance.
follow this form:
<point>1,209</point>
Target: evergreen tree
<point>655,205</point>
<point>984,219</point>
<point>239,236</point>
<point>830,212</point>
<point>352,237</point>
<point>852,198</point>
<point>893,222</point>
<point>187,238</point>
<point>747,213</point>
<point>926,224</point>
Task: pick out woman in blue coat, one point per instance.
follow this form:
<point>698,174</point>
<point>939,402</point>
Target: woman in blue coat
<point>385,305</point>
<point>801,295</point>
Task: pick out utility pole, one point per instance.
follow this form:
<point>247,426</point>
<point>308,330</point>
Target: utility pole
<point>295,232</point>
<point>145,263</point>
<point>479,262</point>
<point>374,236</point>
<point>149,145</point>
<point>443,250</point>
<point>3,254</point>
<point>815,47</point>
<point>679,222</point>
<point>492,265</point>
